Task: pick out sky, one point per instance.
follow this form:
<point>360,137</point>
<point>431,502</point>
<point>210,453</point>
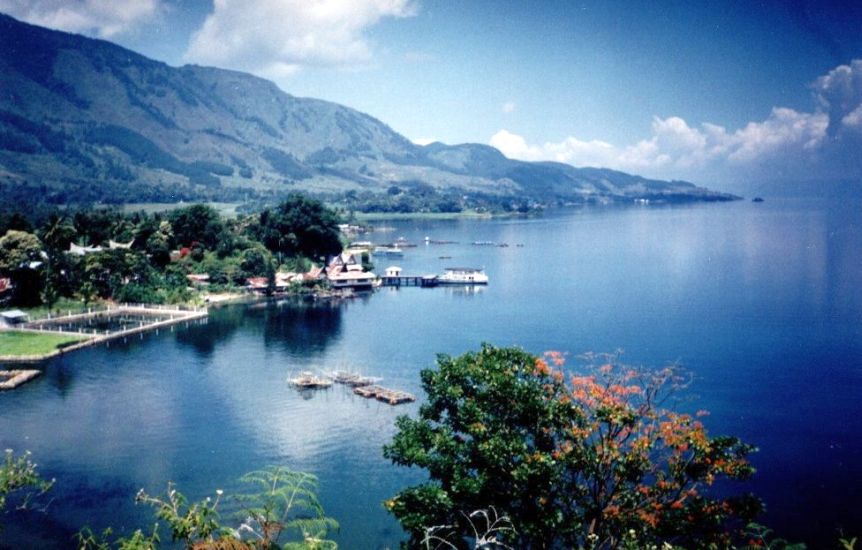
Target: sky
<point>718,93</point>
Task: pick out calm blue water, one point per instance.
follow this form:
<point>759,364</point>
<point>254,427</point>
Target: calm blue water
<point>760,302</point>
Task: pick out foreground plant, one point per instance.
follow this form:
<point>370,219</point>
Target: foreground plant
<point>18,475</point>
<point>574,461</point>
<point>286,504</point>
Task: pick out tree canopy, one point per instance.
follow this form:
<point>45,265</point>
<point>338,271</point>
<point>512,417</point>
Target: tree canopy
<point>573,458</point>
<point>300,225</point>
<point>165,248</point>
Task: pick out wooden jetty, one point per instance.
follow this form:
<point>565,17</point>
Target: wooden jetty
<point>11,379</point>
<point>390,396</point>
<point>163,316</point>
<point>424,281</point>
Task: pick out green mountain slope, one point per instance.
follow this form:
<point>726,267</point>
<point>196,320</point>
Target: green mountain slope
<point>84,120</point>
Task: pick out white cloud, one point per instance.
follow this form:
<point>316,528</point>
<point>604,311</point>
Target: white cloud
<point>825,141</point>
<point>102,18</point>
<point>784,128</point>
<point>509,107</point>
<point>274,38</point>
<point>423,141</point>
<point>853,119</point>
<point>676,149</point>
<point>839,93</point>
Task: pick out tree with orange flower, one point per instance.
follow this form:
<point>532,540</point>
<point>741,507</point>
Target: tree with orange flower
<point>575,457</point>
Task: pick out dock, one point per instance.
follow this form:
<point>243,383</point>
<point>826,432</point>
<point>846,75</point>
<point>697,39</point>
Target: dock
<point>386,395</point>
<point>95,326</point>
<point>424,281</point>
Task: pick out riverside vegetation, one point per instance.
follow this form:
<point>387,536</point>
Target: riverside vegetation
<point>163,249</point>
<point>521,452</point>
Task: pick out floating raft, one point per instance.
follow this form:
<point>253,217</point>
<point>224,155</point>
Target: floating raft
<point>393,397</point>
<point>11,379</point>
<point>309,381</point>
<point>352,379</point>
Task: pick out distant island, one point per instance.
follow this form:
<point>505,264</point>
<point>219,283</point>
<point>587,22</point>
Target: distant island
<point>84,121</point>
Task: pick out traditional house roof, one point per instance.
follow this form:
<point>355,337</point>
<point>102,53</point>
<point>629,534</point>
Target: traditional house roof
<point>14,315</point>
<point>313,274</point>
<point>257,282</point>
<point>78,250</point>
<point>200,278</point>
<point>115,244</point>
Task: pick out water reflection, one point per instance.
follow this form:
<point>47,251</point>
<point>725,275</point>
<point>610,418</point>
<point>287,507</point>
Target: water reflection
<point>217,329</point>
<point>299,326</point>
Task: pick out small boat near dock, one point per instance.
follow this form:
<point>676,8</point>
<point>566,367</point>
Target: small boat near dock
<point>307,380</point>
<point>463,276</point>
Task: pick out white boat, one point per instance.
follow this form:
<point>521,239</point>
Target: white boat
<point>463,276</point>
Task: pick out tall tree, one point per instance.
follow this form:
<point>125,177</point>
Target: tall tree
<point>197,223</point>
<point>300,226</point>
<point>573,463</point>
<point>20,260</point>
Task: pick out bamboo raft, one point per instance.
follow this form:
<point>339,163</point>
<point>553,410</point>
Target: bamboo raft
<point>309,381</point>
<point>390,396</point>
<point>11,379</point>
<point>352,379</point>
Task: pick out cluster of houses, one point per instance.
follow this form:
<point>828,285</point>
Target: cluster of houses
<point>343,271</point>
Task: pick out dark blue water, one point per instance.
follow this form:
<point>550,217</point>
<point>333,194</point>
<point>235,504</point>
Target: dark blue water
<point>761,302</point>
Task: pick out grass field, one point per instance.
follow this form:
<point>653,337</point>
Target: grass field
<point>18,343</point>
<point>227,209</point>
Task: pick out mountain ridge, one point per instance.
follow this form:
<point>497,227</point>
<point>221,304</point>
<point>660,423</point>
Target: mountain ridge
<point>85,119</point>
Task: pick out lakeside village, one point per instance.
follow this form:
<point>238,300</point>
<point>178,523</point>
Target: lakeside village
<point>348,272</point>
<point>58,295</point>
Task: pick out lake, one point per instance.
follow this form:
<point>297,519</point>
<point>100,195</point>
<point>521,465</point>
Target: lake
<point>760,302</point>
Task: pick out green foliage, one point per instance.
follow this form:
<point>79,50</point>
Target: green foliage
<point>187,522</point>
<point>18,476</point>
<point>228,250</point>
<point>88,540</point>
<point>299,226</point>
<point>110,270</point>
<point>18,250</point>
<point>285,505</point>
<point>592,456</point>
<point>197,223</point>
<point>286,502</point>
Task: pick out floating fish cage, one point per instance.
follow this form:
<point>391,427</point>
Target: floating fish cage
<point>103,322</point>
<point>390,396</point>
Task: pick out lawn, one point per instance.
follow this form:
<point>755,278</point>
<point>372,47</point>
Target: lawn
<point>18,343</point>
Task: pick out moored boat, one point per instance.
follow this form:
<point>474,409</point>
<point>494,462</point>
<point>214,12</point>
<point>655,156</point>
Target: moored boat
<point>463,276</point>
